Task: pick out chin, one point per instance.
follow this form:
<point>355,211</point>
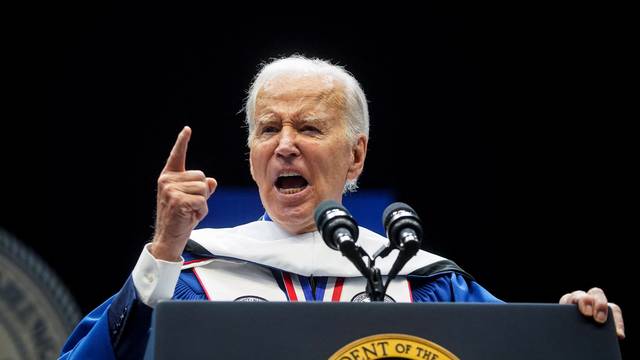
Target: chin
<point>296,220</point>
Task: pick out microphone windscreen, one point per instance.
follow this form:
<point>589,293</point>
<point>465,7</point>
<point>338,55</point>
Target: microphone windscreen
<point>323,207</point>
<point>392,208</point>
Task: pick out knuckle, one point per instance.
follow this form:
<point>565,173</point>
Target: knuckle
<point>584,301</point>
<point>169,191</point>
<point>184,210</point>
<point>596,290</point>
<point>174,199</point>
<point>172,202</point>
<point>599,305</point>
<point>165,193</point>
<point>201,202</point>
<point>198,174</point>
<point>587,298</point>
<point>163,180</point>
<point>578,293</point>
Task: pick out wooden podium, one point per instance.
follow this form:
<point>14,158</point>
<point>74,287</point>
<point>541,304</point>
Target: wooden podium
<point>365,331</point>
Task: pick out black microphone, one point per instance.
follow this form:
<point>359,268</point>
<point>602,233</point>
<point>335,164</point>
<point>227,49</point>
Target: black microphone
<point>404,230</point>
<point>403,227</point>
<point>336,225</point>
<point>339,231</point>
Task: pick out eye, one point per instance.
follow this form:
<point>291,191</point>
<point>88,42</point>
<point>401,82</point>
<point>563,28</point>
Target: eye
<point>268,129</point>
<point>308,129</point>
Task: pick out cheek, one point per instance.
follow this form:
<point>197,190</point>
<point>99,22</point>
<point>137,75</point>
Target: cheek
<point>333,168</point>
<point>257,163</point>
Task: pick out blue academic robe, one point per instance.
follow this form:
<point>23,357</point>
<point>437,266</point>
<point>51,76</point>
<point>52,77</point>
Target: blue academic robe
<point>119,328</point>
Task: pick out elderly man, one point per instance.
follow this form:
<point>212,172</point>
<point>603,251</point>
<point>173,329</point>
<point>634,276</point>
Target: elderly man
<point>308,131</point>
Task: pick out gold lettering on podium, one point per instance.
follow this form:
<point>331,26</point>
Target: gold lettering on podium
<point>392,346</point>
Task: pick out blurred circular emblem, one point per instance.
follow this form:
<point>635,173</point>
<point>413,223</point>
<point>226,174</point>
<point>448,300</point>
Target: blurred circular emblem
<point>36,311</point>
<point>363,297</point>
<point>250,298</point>
<point>392,346</point>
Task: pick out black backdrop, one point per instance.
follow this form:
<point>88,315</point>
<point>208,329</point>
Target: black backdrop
<point>505,152</point>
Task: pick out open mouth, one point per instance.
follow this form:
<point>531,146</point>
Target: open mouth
<point>291,183</point>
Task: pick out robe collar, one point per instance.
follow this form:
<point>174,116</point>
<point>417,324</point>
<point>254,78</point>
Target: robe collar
<point>266,243</point>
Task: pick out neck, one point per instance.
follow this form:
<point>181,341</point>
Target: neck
<point>297,229</point>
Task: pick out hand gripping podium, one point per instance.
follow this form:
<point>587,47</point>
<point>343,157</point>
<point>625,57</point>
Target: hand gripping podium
<point>364,331</point>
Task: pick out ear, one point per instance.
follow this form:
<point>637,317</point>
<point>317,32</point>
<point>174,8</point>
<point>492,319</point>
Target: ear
<point>251,167</point>
<point>358,154</point>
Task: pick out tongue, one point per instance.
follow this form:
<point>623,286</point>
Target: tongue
<point>292,182</point>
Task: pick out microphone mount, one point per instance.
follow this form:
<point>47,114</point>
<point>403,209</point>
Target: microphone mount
<point>404,231</point>
<point>340,232</point>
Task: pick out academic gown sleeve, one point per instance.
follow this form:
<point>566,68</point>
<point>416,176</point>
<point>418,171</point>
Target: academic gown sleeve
<point>114,330</point>
<point>90,338</point>
<point>119,328</point>
<point>449,287</point>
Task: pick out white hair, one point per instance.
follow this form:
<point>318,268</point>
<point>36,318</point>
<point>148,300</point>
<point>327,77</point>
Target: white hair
<point>357,112</point>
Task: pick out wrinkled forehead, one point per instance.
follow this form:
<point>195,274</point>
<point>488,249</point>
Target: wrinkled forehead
<point>306,87</point>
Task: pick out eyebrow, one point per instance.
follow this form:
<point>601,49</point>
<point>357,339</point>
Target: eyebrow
<point>312,118</point>
<point>271,116</point>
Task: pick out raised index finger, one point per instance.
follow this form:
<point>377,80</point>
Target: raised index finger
<point>178,157</point>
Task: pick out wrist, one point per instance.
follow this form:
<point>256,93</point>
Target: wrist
<point>161,251</point>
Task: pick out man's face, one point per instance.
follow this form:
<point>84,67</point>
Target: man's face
<point>299,151</point>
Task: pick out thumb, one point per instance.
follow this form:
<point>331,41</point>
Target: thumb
<point>212,184</point>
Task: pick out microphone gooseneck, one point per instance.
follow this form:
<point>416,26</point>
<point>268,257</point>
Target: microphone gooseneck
<point>404,230</point>
<point>340,232</point>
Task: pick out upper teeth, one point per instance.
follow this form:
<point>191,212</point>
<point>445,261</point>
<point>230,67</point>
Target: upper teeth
<point>290,173</point>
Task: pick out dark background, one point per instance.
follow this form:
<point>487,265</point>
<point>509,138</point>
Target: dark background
<point>508,146</point>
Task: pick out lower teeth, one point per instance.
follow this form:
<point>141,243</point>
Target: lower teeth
<point>291,191</point>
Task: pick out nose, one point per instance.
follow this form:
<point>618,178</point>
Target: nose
<point>287,147</point>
